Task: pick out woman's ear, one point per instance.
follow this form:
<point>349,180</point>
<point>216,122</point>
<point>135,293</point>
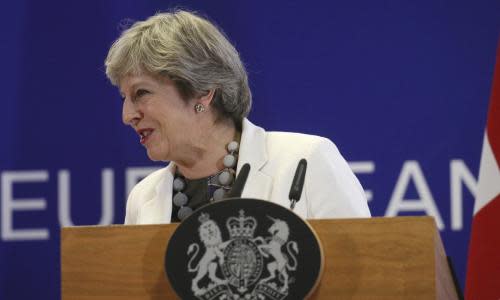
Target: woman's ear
<point>207,98</point>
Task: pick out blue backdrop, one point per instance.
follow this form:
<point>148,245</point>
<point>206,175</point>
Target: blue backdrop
<point>401,87</point>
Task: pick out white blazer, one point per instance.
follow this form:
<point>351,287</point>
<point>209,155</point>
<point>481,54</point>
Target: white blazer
<point>330,190</point>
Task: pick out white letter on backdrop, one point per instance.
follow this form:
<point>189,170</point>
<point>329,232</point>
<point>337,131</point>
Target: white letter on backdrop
<point>107,196</point>
<point>411,171</point>
<point>9,205</point>
<point>459,173</point>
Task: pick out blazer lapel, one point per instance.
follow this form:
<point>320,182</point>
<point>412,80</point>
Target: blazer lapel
<point>158,209</point>
<point>254,152</point>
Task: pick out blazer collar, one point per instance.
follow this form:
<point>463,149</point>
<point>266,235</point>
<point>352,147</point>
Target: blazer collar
<point>253,150</point>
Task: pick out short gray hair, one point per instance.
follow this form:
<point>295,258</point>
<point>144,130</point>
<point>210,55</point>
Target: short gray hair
<point>189,50</point>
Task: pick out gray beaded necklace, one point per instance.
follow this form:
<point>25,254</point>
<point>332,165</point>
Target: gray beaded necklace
<point>218,184</point>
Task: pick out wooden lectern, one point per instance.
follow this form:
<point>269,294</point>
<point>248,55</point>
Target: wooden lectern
<point>377,258</point>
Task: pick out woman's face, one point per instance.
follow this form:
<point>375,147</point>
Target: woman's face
<point>163,120</point>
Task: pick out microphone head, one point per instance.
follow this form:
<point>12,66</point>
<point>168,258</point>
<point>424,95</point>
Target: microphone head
<point>239,182</point>
<point>298,181</point>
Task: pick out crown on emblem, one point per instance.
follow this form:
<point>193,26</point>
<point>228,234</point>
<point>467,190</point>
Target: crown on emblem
<point>241,227</point>
<point>203,218</point>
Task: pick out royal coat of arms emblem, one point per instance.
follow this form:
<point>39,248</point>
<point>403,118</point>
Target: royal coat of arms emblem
<point>238,257</point>
<point>243,260</point>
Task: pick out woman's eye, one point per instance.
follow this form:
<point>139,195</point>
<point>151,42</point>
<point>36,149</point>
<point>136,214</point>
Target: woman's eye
<point>140,93</point>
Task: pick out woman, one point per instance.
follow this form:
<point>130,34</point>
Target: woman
<point>185,92</point>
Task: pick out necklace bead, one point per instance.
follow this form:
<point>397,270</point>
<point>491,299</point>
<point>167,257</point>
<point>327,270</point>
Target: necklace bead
<point>179,184</point>
<point>184,212</point>
<point>232,146</point>
<point>229,161</point>
<point>225,178</point>
<point>180,199</point>
<point>219,194</point>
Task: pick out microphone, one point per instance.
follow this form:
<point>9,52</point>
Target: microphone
<point>297,183</point>
<point>239,182</point>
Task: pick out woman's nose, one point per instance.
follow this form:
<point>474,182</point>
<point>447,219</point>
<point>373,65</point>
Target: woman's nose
<point>130,114</point>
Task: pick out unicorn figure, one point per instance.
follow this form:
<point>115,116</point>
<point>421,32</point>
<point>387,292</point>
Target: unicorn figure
<point>280,266</point>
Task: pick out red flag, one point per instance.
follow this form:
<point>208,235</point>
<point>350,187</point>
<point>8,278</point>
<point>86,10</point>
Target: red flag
<point>483,270</point>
